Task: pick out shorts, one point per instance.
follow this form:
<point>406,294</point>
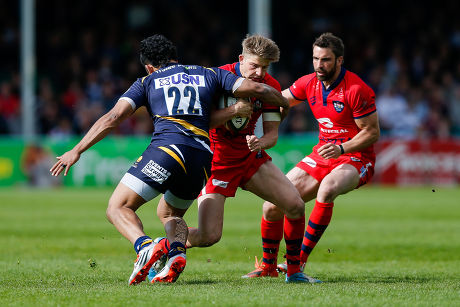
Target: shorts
<point>227,176</point>
<point>318,167</point>
<point>178,171</point>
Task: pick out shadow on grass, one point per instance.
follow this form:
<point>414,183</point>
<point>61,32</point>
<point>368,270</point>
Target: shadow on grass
<point>385,279</point>
<point>190,282</point>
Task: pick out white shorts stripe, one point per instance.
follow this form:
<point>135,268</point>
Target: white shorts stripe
<point>141,188</point>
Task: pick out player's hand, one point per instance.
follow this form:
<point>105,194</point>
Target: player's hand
<point>64,163</point>
<point>253,143</point>
<point>243,107</point>
<point>329,151</point>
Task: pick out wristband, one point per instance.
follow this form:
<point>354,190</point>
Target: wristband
<point>341,149</point>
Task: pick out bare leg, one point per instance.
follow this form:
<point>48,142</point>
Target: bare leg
<point>210,221</point>
<point>171,217</point>
<point>121,212</point>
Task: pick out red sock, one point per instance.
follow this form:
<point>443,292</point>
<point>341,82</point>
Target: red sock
<point>317,224</point>
<point>165,244</point>
<point>272,233</point>
<point>293,232</point>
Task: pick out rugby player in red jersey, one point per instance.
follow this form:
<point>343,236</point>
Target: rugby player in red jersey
<point>344,159</point>
<point>239,160</point>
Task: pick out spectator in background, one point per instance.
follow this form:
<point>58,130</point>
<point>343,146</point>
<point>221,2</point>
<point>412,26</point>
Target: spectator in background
<point>66,52</point>
<point>35,164</point>
<point>9,108</point>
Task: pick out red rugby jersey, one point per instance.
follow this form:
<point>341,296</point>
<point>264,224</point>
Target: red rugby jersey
<point>221,138</point>
<point>336,108</point>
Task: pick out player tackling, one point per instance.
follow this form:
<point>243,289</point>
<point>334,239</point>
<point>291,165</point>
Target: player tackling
<point>240,160</point>
<point>344,159</point>
<point>177,161</point>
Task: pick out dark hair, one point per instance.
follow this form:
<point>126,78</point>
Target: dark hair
<point>157,50</point>
<point>329,40</point>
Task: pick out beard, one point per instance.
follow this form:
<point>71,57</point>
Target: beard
<point>328,75</point>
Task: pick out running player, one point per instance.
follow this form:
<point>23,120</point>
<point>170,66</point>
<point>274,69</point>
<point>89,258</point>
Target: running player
<point>177,161</point>
<point>344,159</point>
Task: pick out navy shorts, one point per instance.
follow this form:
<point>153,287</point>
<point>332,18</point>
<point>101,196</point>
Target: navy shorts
<point>178,171</point>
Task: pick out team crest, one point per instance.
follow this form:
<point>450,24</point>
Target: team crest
<point>257,105</point>
<point>338,106</point>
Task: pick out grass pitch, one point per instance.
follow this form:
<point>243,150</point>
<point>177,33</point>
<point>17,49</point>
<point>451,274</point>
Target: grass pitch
<point>384,247</point>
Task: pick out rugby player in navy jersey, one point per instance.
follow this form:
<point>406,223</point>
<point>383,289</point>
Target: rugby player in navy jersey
<point>177,162</point>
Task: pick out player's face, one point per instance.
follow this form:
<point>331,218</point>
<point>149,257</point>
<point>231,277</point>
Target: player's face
<point>325,63</point>
<point>253,67</point>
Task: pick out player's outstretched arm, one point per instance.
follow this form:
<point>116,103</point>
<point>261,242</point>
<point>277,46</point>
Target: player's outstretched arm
<point>264,92</point>
<point>97,132</point>
<point>292,102</point>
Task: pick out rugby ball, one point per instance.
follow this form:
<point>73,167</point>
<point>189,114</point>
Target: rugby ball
<point>237,123</point>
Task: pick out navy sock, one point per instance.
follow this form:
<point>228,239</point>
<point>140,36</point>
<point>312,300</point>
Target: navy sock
<point>175,249</point>
<point>142,242</point>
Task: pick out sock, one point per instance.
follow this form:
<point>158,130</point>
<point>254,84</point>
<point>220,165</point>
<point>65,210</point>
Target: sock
<point>320,218</point>
<point>293,232</point>
<point>176,248</point>
<point>272,233</point>
<point>142,242</point>
<point>165,244</point>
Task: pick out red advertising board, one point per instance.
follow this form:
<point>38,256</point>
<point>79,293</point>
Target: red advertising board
<point>435,162</point>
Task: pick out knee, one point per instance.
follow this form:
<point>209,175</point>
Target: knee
<point>326,194</point>
<point>272,212</point>
<point>113,209</point>
<point>297,208</point>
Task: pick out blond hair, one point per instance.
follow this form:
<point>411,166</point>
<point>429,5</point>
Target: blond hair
<point>262,47</point>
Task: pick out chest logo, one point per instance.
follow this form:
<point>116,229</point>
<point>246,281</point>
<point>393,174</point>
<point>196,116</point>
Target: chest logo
<point>338,106</point>
<point>326,122</point>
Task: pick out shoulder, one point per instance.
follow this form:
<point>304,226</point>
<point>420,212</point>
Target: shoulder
<point>268,79</point>
<point>356,85</point>
<point>306,79</point>
<point>229,67</point>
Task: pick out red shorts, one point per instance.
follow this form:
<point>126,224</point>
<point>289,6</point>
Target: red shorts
<point>318,167</point>
<point>227,176</point>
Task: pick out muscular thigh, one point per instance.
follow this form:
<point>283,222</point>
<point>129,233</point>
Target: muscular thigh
<point>272,185</point>
<point>304,183</point>
<point>340,180</point>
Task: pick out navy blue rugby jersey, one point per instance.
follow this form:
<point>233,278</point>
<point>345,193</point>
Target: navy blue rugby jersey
<point>179,99</point>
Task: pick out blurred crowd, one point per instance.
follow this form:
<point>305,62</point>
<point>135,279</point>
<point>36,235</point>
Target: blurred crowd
<point>87,56</point>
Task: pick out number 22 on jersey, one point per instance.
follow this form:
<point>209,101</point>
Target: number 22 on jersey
<point>181,93</point>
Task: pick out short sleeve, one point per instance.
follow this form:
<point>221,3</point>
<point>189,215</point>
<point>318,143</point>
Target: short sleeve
<point>362,101</point>
<point>136,95</point>
<point>298,88</point>
<point>225,78</point>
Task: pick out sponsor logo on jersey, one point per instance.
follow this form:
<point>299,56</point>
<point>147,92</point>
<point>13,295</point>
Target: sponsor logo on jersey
<point>338,106</point>
<point>326,122</point>
<point>309,161</point>
<point>334,130</point>
<point>180,78</point>
<point>313,100</point>
<point>156,172</point>
<point>137,161</point>
<point>219,183</point>
<point>363,170</point>
<point>340,94</point>
<point>355,159</point>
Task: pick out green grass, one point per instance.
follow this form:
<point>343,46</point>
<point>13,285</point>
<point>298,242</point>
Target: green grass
<point>384,247</point>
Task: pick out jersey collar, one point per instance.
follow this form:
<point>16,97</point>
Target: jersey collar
<point>337,81</point>
<point>237,69</point>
